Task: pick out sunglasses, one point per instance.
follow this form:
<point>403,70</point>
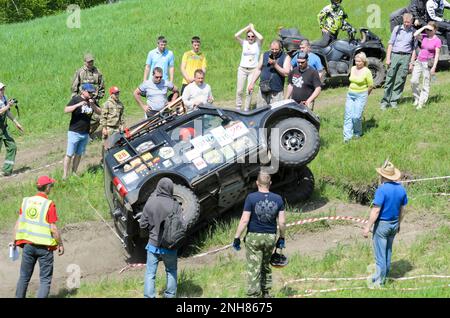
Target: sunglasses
<point>250,36</point>
<point>157,76</point>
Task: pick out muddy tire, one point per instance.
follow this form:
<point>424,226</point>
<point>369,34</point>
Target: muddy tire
<point>378,71</point>
<point>298,142</point>
<point>189,204</point>
<point>301,189</point>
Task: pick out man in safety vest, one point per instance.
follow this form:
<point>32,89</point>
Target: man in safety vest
<point>36,233</point>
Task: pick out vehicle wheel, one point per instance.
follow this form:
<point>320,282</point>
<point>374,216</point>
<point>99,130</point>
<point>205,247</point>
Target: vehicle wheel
<point>301,189</point>
<point>298,142</point>
<point>189,204</point>
<point>378,71</point>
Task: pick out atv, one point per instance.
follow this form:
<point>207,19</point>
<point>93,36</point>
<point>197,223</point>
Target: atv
<point>213,156</point>
<point>338,57</point>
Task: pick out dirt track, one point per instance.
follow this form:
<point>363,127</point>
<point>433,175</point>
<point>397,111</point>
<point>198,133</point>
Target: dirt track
<point>99,254</point>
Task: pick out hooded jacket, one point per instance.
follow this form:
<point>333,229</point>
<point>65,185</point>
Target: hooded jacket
<point>158,207</point>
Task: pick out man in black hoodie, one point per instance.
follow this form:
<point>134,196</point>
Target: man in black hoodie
<point>159,205</point>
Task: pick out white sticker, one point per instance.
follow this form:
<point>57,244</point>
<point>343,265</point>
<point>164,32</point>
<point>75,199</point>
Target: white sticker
<point>167,163</point>
<point>145,146</point>
<point>200,143</point>
<point>237,130</point>
<point>166,152</point>
<point>192,154</point>
<point>221,135</point>
<point>199,163</point>
<point>130,177</point>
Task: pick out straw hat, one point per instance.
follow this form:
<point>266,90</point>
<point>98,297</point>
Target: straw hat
<point>389,172</point>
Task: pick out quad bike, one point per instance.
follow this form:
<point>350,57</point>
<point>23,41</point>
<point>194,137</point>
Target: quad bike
<point>338,57</point>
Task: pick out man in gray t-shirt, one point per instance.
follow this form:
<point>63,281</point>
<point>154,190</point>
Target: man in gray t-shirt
<point>155,90</point>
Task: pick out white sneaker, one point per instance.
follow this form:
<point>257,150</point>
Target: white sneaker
<point>416,102</point>
<point>419,106</point>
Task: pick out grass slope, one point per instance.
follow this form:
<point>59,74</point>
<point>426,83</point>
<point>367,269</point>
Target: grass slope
<point>39,57</point>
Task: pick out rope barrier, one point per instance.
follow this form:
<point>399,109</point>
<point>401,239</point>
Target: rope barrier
<point>321,279</point>
<point>104,221</point>
<point>424,179</point>
<point>310,292</point>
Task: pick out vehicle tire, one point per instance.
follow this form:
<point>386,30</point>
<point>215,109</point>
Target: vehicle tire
<point>378,71</point>
<point>298,143</point>
<point>189,204</point>
<point>301,189</point>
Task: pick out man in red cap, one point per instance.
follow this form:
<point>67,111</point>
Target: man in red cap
<point>35,231</point>
<point>111,118</point>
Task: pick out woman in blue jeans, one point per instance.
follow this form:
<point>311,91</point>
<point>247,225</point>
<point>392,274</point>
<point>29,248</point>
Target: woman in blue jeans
<point>385,216</point>
<point>361,84</point>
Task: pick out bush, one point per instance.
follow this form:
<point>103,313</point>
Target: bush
<point>13,11</point>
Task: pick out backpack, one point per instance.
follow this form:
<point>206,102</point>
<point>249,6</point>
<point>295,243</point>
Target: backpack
<point>173,229</point>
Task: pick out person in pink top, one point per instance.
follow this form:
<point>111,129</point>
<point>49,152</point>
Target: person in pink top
<point>425,63</point>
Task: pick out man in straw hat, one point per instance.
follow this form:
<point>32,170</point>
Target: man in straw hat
<point>386,215</point>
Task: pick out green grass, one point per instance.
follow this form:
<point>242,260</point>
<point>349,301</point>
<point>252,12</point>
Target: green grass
<point>41,56</point>
<point>227,277</point>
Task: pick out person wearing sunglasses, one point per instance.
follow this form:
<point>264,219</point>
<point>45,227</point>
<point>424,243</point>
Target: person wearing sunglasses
<point>155,90</point>
<point>304,83</point>
<point>426,63</point>
<point>251,48</point>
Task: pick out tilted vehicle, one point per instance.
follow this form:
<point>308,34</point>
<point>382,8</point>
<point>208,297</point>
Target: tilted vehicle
<point>213,156</point>
<point>338,57</point>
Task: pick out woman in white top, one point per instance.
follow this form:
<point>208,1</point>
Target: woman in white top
<point>251,48</point>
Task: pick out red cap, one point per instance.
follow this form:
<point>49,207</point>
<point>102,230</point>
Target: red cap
<point>44,180</point>
<point>113,90</point>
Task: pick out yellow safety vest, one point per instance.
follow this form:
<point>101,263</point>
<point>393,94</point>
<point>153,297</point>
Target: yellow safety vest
<point>33,225</point>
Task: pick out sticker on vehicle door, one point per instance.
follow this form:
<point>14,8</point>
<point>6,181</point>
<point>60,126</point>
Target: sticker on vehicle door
<point>199,163</point>
<point>130,177</point>
<point>213,157</point>
<point>122,156</point>
<point>166,152</point>
<point>201,143</point>
<point>221,135</point>
<point>237,129</point>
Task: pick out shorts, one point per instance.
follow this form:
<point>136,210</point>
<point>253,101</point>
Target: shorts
<point>76,143</point>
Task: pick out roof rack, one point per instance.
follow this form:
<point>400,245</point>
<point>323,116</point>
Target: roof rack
<point>171,111</point>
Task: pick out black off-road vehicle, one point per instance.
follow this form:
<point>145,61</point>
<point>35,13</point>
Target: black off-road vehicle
<point>213,156</point>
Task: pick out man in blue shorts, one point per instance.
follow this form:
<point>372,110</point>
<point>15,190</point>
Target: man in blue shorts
<point>81,107</point>
<point>386,216</point>
<point>261,211</point>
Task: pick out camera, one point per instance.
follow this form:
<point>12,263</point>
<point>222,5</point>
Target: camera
<point>14,101</point>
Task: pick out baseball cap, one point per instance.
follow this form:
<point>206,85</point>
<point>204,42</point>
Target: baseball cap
<point>88,57</point>
<point>2,85</point>
<point>114,90</point>
<point>302,55</point>
<point>88,87</point>
<point>44,180</point>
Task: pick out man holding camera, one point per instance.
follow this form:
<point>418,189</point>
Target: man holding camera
<point>273,67</point>
<point>5,137</point>
<point>81,107</point>
<point>89,74</point>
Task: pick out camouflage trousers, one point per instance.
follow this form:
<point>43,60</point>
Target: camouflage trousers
<point>11,149</point>
<point>95,122</point>
<point>259,247</point>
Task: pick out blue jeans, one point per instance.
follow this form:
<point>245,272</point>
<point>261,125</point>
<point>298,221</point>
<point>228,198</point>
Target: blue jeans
<point>170,263</point>
<point>383,237</point>
<point>31,254</point>
<point>354,107</point>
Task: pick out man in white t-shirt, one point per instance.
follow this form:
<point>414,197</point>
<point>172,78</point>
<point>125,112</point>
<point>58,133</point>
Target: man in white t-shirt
<point>251,48</point>
<point>197,92</point>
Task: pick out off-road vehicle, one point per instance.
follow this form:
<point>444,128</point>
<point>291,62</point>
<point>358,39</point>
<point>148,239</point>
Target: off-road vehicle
<point>213,155</point>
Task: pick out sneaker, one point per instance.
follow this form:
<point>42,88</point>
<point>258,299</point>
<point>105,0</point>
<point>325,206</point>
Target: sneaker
<point>266,295</point>
<point>383,106</point>
<point>416,102</point>
<point>419,106</point>
<point>394,105</point>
